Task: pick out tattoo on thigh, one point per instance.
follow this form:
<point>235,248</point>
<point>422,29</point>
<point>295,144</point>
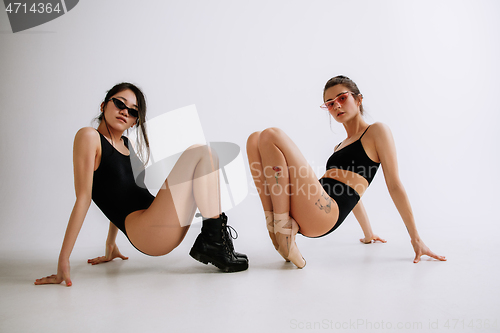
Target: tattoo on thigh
<point>328,205</point>
<point>277,174</point>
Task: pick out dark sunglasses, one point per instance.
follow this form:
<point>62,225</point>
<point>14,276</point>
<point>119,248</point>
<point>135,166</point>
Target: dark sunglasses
<point>120,105</point>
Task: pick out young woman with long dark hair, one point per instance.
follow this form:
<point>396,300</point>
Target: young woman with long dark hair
<point>104,172</point>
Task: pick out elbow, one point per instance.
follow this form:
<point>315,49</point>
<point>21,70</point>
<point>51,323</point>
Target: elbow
<point>395,187</point>
<point>83,201</point>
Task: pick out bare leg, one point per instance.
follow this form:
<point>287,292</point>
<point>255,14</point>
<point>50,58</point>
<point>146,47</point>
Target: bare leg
<point>196,178</point>
<point>275,166</point>
<point>293,187</point>
<point>254,159</point>
<point>193,182</point>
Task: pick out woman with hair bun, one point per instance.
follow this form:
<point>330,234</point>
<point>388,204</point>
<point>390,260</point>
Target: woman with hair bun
<point>103,163</point>
<point>294,200</point>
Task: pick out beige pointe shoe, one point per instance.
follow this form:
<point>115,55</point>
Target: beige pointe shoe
<point>285,231</point>
<point>270,228</point>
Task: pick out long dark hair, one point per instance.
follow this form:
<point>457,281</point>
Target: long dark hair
<point>142,136</point>
<point>348,83</point>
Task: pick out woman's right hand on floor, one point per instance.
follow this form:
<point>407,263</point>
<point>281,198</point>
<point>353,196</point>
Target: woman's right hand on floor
<point>112,252</point>
<point>62,275</point>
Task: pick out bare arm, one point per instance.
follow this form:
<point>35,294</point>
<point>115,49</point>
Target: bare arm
<point>386,151</point>
<point>84,154</point>
<point>112,232</point>
<point>360,214</point>
<point>112,251</point>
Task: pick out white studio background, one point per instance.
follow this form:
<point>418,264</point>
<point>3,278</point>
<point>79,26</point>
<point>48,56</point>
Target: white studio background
<point>428,69</point>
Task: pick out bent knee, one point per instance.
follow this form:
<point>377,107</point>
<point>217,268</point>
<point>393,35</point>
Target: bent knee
<point>196,145</point>
<point>253,141</point>
<point>270,135</point>
<point>202,149</point>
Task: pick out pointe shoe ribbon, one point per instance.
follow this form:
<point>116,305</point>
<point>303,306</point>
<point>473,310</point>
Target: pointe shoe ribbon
<point>270,228</point>
<point>287,246</point>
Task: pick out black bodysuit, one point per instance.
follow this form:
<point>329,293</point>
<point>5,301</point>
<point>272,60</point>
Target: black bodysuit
<point>115,190</point>
<point>351,158</point>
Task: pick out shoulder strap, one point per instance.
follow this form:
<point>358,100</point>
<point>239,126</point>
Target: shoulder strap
<point>337,146</point>
<point>102,138</point>
<point>125,141</point>
<point>364,132</point>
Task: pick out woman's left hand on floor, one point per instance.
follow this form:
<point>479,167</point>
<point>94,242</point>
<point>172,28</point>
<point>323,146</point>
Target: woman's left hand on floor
<point>112,252</point>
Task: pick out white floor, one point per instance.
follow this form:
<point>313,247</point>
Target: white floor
<point>346,286</point>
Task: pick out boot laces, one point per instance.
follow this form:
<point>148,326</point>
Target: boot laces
<point>227,236</point>
<point>227,233</point>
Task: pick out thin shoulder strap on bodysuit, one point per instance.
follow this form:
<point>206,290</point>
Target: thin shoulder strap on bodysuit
<point>364,132</point>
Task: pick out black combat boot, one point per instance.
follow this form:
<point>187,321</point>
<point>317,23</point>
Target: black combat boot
<point>229,237</point>
<point>214,245</point>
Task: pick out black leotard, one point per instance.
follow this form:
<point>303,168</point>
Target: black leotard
<point>115,190</point>
<point>351,158</point>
